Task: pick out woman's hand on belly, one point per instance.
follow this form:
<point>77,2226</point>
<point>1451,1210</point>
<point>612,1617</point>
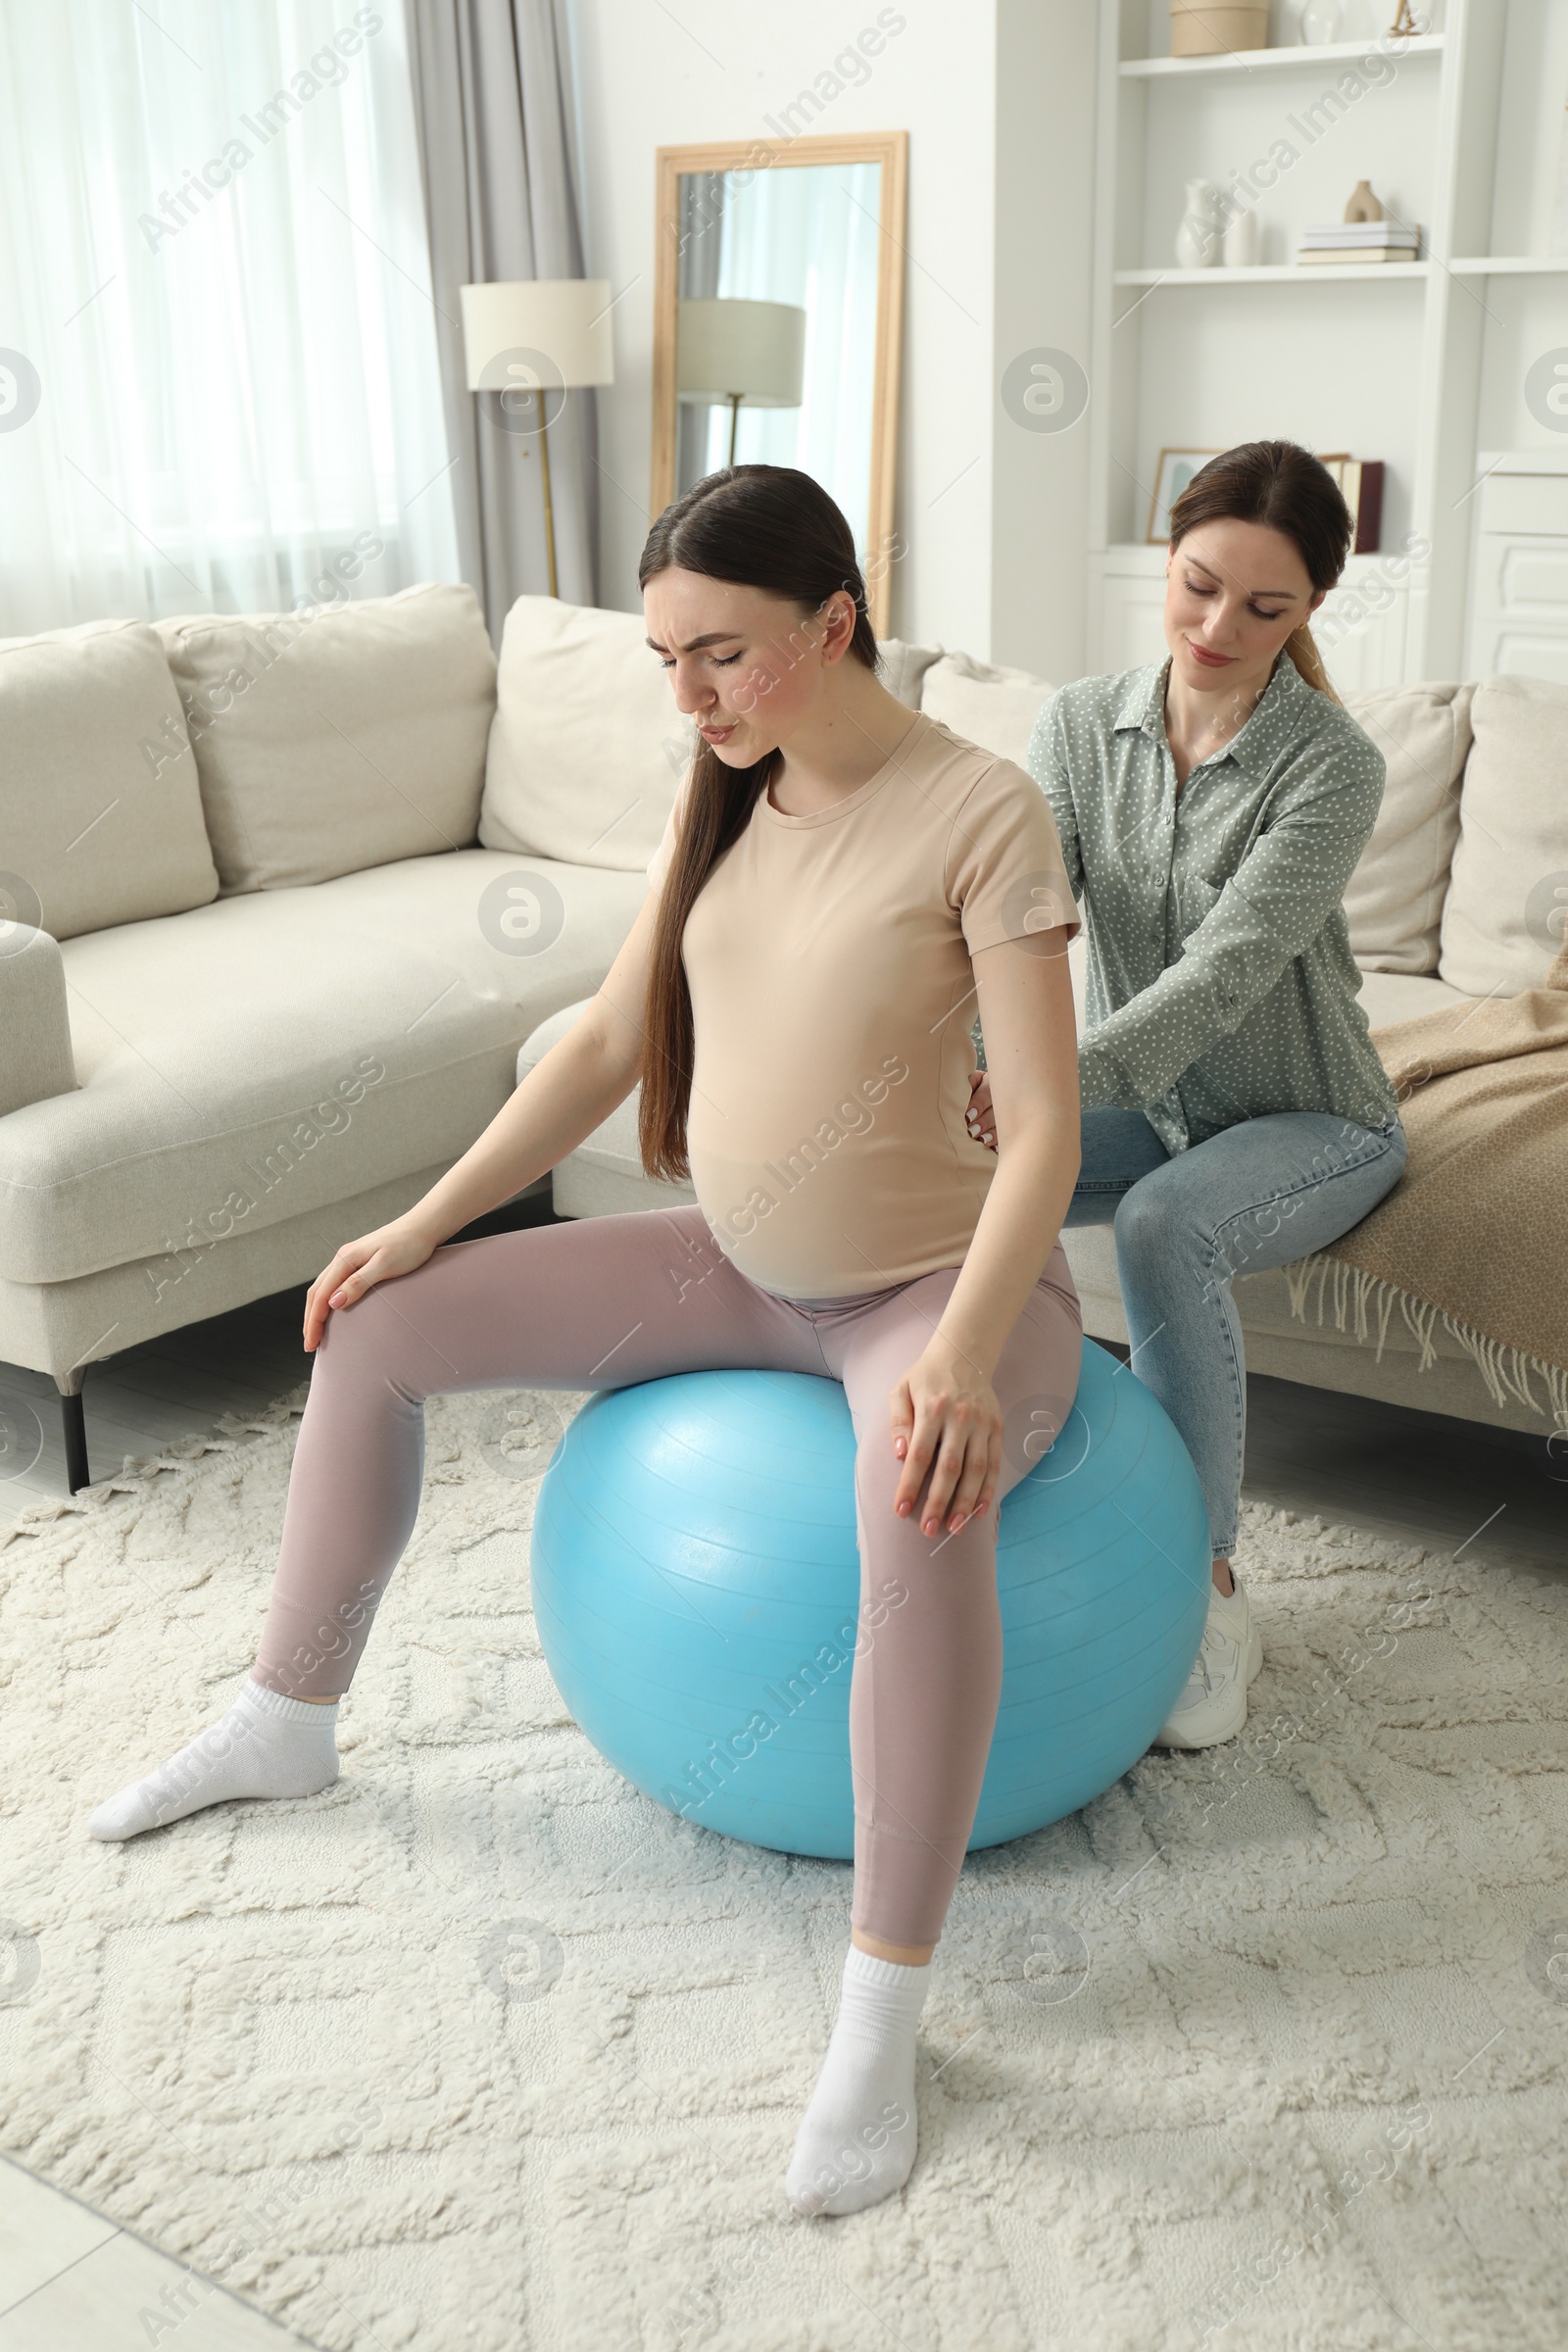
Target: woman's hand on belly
<point>945,1422</point>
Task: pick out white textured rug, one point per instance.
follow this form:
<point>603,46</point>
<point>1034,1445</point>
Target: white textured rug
<point>480,2048</point>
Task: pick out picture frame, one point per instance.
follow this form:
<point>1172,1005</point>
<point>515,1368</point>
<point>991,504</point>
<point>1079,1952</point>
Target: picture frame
<point>1177,467</point>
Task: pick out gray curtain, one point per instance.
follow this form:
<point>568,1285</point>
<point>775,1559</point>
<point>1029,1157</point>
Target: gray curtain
<point>494,105</point>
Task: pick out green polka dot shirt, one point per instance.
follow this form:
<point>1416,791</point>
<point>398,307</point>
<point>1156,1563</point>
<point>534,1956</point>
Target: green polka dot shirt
<point>1220,980</point>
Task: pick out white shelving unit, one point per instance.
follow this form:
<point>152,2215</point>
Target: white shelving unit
<point>1519,566</point>
<point>1277,273</point>
<point>1200,359</point>
<point>1509,264</point>
<point>1263,61</point>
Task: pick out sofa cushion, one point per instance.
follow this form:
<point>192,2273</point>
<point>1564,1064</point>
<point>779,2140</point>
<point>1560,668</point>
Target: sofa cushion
<point>100,818</point>
<point>1394,898</point>
<point>903,667</point>
<point>1506,913</point>
<point>1388,997</point>
<point>995,708</point>
<point>271,1054</point>
<point>588,746</point>
<point>337,736</point>
<point>588,749</point>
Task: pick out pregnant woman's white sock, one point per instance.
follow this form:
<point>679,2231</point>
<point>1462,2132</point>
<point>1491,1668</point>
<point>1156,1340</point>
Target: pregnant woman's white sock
<point>265,1745</point>
<point>856,2139</point>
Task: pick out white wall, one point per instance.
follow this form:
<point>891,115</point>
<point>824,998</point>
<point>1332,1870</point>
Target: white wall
<point>1045,161</point>
<point>998,98</point>
<point>1526,316</point>
<point>713,70</point>
<point>975,574</point>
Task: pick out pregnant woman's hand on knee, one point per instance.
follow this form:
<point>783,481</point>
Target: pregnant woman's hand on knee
<point>979,1118</point>
<point>945,1422</point>
<point>395,1248</point>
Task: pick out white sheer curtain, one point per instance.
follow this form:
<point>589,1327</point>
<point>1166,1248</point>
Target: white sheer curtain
<point>221,369</point>
<point>809,235</point>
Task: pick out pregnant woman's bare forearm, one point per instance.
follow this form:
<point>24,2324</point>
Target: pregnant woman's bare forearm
<point>1018,1229</point>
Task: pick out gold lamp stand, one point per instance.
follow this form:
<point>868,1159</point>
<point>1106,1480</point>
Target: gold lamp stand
<point>539,334</point>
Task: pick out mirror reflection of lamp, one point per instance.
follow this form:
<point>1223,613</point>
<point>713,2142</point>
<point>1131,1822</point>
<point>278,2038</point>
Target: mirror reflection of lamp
<point>536,336</point>
<point>727,351</point>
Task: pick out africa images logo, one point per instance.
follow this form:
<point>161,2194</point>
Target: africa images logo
<point>21,390</point>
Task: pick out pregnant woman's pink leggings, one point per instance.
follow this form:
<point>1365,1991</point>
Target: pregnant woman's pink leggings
<point>615,1300</point>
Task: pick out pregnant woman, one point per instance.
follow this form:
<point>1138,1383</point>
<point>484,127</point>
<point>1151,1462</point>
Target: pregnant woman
<point>842,882</point>
<point>1212,808</point>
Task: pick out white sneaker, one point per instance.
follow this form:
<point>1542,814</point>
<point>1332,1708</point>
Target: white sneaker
<point>1213,1706</point>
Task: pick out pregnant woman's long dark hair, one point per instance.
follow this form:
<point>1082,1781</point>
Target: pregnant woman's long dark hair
<point>762,526</point>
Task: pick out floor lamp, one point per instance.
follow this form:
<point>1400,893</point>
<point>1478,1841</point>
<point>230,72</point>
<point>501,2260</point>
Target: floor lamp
<point>728,349</point>
<point>540,335</point>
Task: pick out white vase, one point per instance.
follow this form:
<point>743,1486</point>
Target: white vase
<point>1322,21</point>
<point>1243,242</point>
<point>1197,238</point>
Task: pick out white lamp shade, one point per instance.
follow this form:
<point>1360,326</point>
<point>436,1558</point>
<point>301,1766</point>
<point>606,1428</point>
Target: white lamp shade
<point>725,346</point>
<point>565,320</point>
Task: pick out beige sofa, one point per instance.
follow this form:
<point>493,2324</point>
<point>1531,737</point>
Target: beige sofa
<point>287,902</point>
<point>281,897</point>
<point>1460,894</point>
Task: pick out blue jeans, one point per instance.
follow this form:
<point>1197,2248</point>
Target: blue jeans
<point>1264,1192</point>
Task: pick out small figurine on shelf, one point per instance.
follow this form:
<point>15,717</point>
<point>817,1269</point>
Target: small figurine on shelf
<point>1198,233</point>
<point>1403,23</point>
<point>1365,234</point>
<point>1321,23</point>
<point>1243,243</point>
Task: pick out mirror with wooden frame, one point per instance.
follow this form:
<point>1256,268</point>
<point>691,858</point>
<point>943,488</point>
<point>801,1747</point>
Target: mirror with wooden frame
<point>777,310</point>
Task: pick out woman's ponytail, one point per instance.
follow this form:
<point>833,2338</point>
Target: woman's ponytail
<point>1301,646</point>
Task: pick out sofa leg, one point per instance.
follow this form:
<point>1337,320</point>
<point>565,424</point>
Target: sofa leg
<point>75,1427</point>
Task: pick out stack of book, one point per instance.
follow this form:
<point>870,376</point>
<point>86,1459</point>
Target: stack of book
<point>1361,242</point>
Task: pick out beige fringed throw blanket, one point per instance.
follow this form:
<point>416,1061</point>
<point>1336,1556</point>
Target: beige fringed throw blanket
<point>1475,1234</point>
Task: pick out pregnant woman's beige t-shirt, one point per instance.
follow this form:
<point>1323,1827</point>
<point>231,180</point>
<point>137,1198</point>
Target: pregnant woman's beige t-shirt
<point>828,958</point>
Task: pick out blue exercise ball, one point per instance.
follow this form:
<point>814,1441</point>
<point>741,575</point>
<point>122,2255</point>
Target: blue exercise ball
<point>696,1586</point>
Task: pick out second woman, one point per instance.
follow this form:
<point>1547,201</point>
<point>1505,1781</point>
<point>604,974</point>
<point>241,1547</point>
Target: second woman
<point>1212,807</point>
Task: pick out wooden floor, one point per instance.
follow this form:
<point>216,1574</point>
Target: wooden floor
<point>70,2281</point>
<point>1449,1485</point>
